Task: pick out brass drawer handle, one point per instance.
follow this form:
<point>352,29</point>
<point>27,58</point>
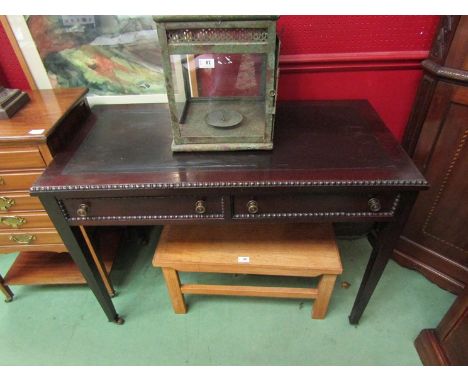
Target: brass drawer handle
<point>82,210</point>
<point>374,204</point>
<point>6,203</point>
<point>252,206</point>
<point>2,181</point>
<point>13,221</point>
<point>200,207</point>
<point>22,239</point>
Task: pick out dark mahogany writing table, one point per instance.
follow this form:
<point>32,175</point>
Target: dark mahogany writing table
<point>332,161</point>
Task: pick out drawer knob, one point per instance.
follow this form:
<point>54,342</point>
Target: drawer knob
<point>13,221</point>
<point>252,207</point>
<point>200,207</point>
<point>22,239</point>
<point>6,203</point>
<point>82,210</point>
<point>374,204</point>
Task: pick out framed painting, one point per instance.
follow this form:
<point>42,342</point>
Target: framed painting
<point>116,57</point>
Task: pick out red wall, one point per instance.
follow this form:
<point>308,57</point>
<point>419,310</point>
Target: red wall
<point>11,74</point>
<point>356,57</point>
<point>333,57</point>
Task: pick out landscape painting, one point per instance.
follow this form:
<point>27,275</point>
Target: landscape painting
<point>111,55</point>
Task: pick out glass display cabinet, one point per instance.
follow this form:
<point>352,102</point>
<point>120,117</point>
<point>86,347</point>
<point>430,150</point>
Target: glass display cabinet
<point>221,75</point>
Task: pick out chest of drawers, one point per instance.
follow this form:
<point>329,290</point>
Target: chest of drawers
<point>28,143</point>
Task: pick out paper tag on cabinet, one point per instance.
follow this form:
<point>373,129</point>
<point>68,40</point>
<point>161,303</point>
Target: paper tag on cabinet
<point>36,131</point>
<point>206,63</point>
<point>243,259</point>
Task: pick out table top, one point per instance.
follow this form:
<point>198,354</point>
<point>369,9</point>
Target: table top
<point>316,143</point>
<point>39,117</point>
<point>282,249</point>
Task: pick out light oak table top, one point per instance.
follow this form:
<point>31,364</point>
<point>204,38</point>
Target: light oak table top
<point>274,249</point>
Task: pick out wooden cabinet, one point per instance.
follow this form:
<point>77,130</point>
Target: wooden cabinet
<point>434,240</point>
<point>28,143</point>
<point>448,343</point>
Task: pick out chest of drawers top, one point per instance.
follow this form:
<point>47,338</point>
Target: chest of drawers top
<point>40,116</point>
<point>28,142</point>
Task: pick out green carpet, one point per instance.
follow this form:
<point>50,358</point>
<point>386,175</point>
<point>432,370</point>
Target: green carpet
<point>64,325</point>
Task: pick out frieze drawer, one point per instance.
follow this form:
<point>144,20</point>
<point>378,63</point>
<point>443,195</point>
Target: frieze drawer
<point>318,205</point>
<point>141,208</point>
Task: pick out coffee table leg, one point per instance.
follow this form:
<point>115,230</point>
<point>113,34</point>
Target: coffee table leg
<point>81,255</point>
<point>325,290</point>
<point>383,249</point>
<point>173,287</point>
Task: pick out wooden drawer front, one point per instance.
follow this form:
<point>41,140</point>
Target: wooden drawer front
<point>20,158</point>
<point>315,205</point>
<point>20,201</point>
<point>34,237</point>
<point>143,208</point>
<point>18,181</point>
<point>25,221</point>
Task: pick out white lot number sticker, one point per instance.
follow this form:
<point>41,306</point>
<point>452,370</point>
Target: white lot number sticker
<point>36,132</point>
<point>206,63</point>
<point>243,259</point>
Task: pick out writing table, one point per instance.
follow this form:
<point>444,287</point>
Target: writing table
<point>332,161</point>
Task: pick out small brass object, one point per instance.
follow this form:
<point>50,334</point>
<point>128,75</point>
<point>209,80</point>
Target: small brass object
<point>13,221</point>
<point>22,239</point>
<point>374,204</point>
<point>200,207</point>
<point>2,181</point>
<point>82,210</point>
<point>6,203</point>
<point>252,207</point>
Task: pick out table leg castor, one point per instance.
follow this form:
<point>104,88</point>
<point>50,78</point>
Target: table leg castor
<point>119,320</point>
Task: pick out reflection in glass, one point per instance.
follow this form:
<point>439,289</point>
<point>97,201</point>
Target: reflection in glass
<point>219,94</point>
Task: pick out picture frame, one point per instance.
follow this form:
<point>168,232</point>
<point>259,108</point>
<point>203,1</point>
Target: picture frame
<point>40,77</point>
